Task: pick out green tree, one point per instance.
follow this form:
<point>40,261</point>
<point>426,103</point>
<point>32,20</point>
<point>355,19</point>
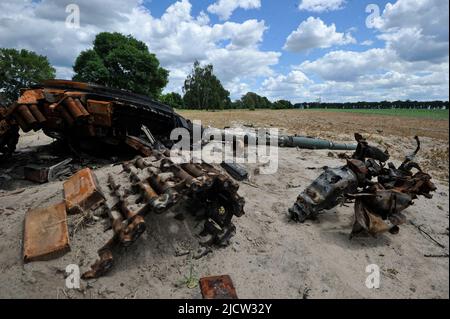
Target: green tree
<point>122,62</point>
<point>203,90</point>
<point>21,69</point>
<point>283,104</point>
<point>254,101</point>
<point>173,99</point>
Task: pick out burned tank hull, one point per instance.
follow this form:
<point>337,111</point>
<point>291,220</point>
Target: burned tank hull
<point>80,112</point>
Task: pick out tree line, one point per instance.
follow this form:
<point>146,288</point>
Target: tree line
<point>123,62</point>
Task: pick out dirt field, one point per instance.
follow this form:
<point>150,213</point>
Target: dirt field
<point>270,257</point>
<point>394,133</point>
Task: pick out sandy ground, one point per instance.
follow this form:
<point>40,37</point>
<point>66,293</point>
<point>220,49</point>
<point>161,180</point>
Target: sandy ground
<point>270,257</point>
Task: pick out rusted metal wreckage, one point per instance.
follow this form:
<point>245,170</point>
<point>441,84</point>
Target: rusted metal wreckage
<point>83,114</point>
<point>79,113</point>
<point>160,184</point>
<point>375,201</point>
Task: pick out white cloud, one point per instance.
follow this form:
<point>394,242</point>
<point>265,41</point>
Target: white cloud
<point>342,66</point>
<point>321,5</point>
<point>367,43</point>
<point>371,75</point>
<point>241,35</point>
<point>283,86</point>
<point>177,37</point>
<point>314,33</point>
<point>416,29</point>
<point>413,64</point>
<point>225,8</point>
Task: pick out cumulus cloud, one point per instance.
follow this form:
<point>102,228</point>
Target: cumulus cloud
<point>321,5</point>
<point>178,38</point>
<point>371,75</point>
<point>416,29</point>
<point>225,8</point>
<point>314,33</point>
<point>284,86</point>
<point>342,66</point>
<point>367,43</point>
<point>413,64</point>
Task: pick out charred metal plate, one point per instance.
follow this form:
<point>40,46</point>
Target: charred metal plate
<point>101,111</point>
<point>219,287</point>
<point>82,191</point>
<point>36,173</point>
<point>46,235</point>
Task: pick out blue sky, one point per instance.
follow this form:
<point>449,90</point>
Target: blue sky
<point>301,50</point>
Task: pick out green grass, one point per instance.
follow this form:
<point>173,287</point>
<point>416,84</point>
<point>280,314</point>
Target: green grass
<point>430,114</point>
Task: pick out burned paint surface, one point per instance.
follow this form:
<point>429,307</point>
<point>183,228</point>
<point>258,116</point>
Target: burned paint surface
<point>74,111</point>
<point>46,235</point>
<point>82,191</point>
<point>218,287</point>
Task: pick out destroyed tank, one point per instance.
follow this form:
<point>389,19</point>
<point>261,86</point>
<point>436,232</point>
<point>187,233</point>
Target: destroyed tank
<point>84,114</point>
<point>89,115</point>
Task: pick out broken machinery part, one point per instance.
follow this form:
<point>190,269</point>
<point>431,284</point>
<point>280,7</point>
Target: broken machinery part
<point>158,183</point>
<point>40,174</point>
<point>375,201</point>
<point>235,170</point>
<point>82,113</point>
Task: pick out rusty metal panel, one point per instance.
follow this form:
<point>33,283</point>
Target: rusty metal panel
<point>31,96</point>
<point>46,235</point>
<point>101,111</point>
<point>219,287</point>
<point>82,191</point>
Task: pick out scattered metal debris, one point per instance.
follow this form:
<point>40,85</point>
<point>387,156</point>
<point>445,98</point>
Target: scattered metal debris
<point>82,192</point>
<point>236,171</point>
<point>219,287</point>
<point>375,202</point>
<point>44,174</point>
<point>46,235</point>
<point>160,184</point>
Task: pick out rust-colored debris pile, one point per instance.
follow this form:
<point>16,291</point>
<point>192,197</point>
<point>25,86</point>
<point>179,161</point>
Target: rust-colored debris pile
<point>150,184</point>
<point>157,184</point>
<point>92,117</point>
<point>376,202</point>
